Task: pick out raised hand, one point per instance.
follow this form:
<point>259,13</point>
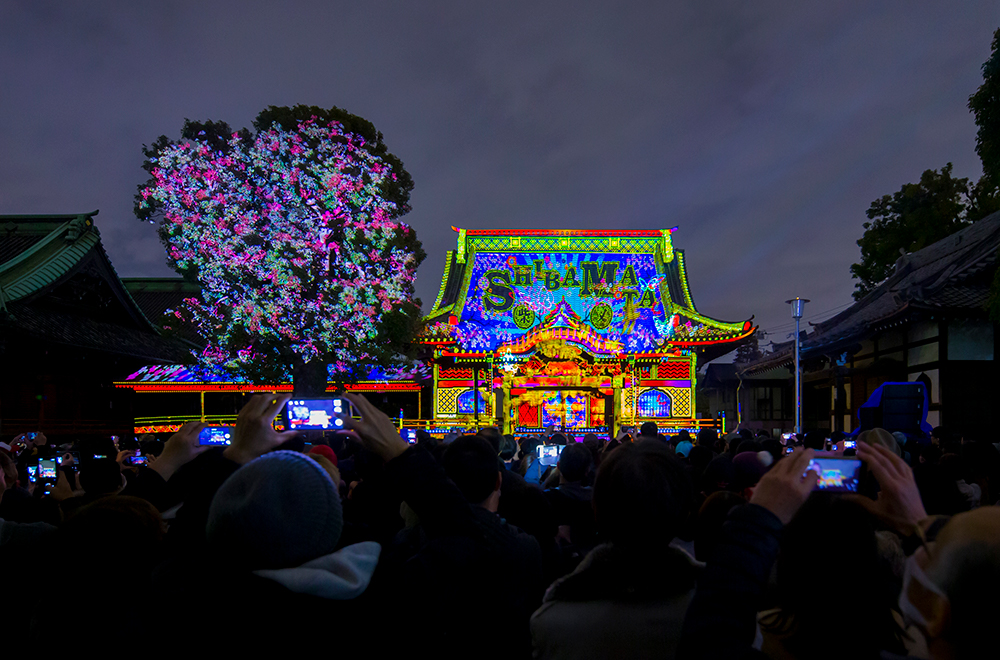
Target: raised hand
<point>62,490</point>
<point>898,505</point>
<point>378,433</point>
<point>180,448</point>
<point>254,434</point>
<point>786,486</point>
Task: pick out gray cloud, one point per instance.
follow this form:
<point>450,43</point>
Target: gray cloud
<point>764,130</point>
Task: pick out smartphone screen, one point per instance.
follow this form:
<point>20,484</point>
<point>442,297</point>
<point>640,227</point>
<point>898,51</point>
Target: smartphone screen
<point>46,468</point>
<point>32,473</point>
<point>850,444</point>
<point>315,414</point>
<point>215,436</point>
<point>411,435</point>
<point>549,454</point>
<point>138,460</point>
<point>789,450</point>
<point>837,475</point>
<point>32,436</point>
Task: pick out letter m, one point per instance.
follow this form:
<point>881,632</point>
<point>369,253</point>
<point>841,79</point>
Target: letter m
<point>599,276</point>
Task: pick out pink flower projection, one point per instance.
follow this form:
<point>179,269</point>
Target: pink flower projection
<point>292,239</point>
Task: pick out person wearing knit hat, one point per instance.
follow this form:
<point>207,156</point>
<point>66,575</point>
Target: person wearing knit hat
<point>280,517</point>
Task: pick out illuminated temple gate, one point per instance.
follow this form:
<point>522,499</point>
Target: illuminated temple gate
<point>567,329</point>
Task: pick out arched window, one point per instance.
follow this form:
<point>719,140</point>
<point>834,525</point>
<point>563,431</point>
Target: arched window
<point>465,403</point>
<point>653,403</point>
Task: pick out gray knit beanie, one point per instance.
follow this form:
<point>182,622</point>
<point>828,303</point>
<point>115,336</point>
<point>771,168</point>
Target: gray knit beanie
<point>278,511</point>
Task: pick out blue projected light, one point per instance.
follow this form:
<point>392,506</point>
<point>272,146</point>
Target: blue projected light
<point>653,403</point>
<point>617,294</point>
<point>565,410</point>
<point>465,403</point>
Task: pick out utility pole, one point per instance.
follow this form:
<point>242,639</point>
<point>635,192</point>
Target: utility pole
<point>798,304</point>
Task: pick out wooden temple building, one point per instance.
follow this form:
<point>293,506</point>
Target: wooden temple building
<point>575,330</point>
<point>68,330</point>
<point>928,322</point>
<point>580,331</point>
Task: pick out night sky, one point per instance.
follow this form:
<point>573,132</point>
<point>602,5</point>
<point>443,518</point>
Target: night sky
<point>762,129</point>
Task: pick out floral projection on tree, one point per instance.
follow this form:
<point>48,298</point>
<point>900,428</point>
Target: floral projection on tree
<point>293,235</point>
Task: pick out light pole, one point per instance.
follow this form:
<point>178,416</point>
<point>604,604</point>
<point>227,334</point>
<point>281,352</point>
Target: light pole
<point>798,304</point>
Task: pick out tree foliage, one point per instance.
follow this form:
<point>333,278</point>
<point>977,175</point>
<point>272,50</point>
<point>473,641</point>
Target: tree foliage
<point>293,234</point>
<point>748,350</point>
<point>912,218</point>
<point>922,213</point>
<point>985,105</point>
<point>984,195</point>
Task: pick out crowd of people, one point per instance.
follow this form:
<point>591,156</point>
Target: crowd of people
<point>483,545</point>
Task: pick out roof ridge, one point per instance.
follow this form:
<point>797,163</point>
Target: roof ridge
<point>49,216</point>
<point>51,237</point>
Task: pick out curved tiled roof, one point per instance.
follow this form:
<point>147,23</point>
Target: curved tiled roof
<point>682,324</point>
<point>41,255</point>
<point>41,249</point>
<point>949,275</point>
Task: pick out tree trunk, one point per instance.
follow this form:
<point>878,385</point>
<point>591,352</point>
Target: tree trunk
<point>309,379</point>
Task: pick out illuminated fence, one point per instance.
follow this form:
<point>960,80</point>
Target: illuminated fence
<point>173,423</point>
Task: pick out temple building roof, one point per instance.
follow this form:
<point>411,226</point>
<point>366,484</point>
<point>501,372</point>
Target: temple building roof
<point>950,278</point>
<point>58,287</point>
<point>621,291</point>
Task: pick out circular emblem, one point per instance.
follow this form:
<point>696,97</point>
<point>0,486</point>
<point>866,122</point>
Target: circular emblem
<point>524,316</point>
<point>600,316</point>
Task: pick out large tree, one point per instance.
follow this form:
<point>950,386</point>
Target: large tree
<point>922,213</point>
<point>293,233</point>
<point>912,218</point>
<point>985,105</point>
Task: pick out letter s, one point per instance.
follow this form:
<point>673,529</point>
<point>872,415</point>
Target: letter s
<point>499,295</point>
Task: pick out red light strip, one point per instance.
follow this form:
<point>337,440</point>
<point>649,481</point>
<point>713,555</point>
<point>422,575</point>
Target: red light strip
<point>710,342</point>
<point>284,387</point>
<point>382,387</point>
<point>652,233</point>
<point>206,387</point>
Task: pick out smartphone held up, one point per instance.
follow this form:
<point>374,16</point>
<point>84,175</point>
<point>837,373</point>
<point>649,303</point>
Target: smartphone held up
<point>215,436</point>
<point>47,468</point>
<point>549,454</point>
<point>837,474</point>
<point>315,414</point>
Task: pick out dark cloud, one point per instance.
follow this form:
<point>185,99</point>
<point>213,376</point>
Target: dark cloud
<point>763,130</point>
